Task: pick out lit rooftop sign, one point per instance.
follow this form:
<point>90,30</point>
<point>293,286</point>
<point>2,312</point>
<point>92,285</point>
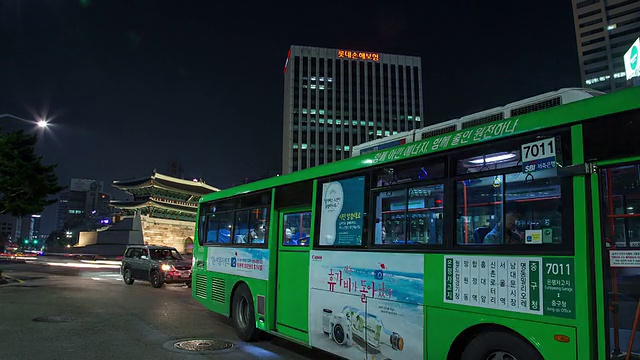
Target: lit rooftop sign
<point>358,55</point>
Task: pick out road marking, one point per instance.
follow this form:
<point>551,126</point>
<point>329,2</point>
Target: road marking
<point>11,277</point>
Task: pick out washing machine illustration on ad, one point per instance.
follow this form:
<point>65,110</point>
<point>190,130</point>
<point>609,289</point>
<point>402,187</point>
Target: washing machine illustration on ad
<point>352,327</point>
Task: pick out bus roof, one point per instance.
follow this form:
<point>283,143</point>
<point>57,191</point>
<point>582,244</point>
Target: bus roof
<point>620,101</point>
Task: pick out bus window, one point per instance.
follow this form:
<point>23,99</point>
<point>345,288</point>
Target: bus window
<point>219,226</point>
<point>493,161</point>
<point>535,199</point>
<point>425,214</point>
<point>411,216</point>
<point>258,226</point>
<point>211,225</point>
<point>479,207</point>
<point>510,209</point>
<point>391,209</point>
<point>297,228</point>
<point>241,227</point>
<point>413,173</point>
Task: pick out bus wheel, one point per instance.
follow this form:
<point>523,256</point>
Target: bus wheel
<point>243,314</point>
<point>499,346</point>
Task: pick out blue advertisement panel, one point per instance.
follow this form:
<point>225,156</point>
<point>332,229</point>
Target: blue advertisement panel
<point>253,263</point>
<point>342,211</point>
<point>367,305</point>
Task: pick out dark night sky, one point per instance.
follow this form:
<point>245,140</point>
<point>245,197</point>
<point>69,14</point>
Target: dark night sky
<point>132,85</point>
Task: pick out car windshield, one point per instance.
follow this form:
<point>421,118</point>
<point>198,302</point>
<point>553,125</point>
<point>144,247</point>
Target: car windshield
<point>165,254</point>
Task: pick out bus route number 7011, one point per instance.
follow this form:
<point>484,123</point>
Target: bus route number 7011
<point>539,150</point>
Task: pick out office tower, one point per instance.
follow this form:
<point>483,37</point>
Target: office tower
<point>10,228</point>
<point>337,98</point>
<point>84,206</point>
<point>605,29</point>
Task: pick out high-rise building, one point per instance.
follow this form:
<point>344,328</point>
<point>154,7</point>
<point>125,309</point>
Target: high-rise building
<point>337,98</point>
<point>605,29</point>
<point>84,206</point>
<point>10,228</point>
<point>19,229</point>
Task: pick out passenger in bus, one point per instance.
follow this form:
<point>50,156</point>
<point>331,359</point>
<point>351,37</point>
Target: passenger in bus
<point>300,238</point>
<point>399,232</point>
<point>511,234</point>
<point>383,233</point>
<point>224,234</point>
<point>256,235</point>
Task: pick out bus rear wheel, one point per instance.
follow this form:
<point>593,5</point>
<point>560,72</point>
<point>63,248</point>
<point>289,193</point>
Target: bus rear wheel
<point>243,314</point>
<point>498,345</point>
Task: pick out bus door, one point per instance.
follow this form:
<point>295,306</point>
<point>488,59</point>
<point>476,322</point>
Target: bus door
<point>619,222</point>
<point>292,291</point>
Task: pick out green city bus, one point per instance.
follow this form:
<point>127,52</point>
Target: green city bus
<point>513,239</point>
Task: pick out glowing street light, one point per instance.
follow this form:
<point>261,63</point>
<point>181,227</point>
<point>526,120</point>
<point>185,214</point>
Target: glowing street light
<point>42,123</point>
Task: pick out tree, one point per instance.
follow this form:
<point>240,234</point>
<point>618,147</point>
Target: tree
<point>25,183</point>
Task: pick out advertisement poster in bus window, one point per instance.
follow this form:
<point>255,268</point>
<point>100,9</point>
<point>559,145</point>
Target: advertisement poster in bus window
<point>253,263</point>
<point>367,305</point>
<point>341,214</point>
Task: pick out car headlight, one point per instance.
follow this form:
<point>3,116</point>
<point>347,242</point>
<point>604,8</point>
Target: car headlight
<point>166,267</point>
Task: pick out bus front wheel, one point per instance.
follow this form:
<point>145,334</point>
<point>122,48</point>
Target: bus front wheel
<point>499,346</point>
<point>243,314</point>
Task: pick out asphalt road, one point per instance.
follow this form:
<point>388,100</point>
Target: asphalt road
<point>102,318</point>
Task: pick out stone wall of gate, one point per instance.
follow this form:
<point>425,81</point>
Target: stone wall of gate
<point>176,233</point>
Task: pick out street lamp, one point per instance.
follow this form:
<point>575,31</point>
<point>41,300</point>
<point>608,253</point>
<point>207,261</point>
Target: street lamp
<point>42,123</point>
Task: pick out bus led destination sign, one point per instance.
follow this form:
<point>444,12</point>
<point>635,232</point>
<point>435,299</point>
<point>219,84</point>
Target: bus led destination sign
<point>358,55</point>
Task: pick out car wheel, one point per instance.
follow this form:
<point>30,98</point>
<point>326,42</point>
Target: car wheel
<point>243,315</point>
<point>128,279</point>
<point>499,345</point>
<point>156,279</point>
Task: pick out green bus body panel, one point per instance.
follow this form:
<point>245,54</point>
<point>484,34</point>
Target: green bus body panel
<point>443,326</point>
<point>293,294</point>
<point>582,264</point>
<point>257,287</point>
<point>434,289</point>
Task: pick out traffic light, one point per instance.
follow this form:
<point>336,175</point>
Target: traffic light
<point>26,241</point>
<point>35,242</point>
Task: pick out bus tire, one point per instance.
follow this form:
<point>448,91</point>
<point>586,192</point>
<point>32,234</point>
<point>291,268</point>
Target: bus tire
<point>499,345</point>
<point>243,314</point>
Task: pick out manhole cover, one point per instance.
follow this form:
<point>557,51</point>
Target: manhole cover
<point>202,345</point>
<point>54,319</point>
